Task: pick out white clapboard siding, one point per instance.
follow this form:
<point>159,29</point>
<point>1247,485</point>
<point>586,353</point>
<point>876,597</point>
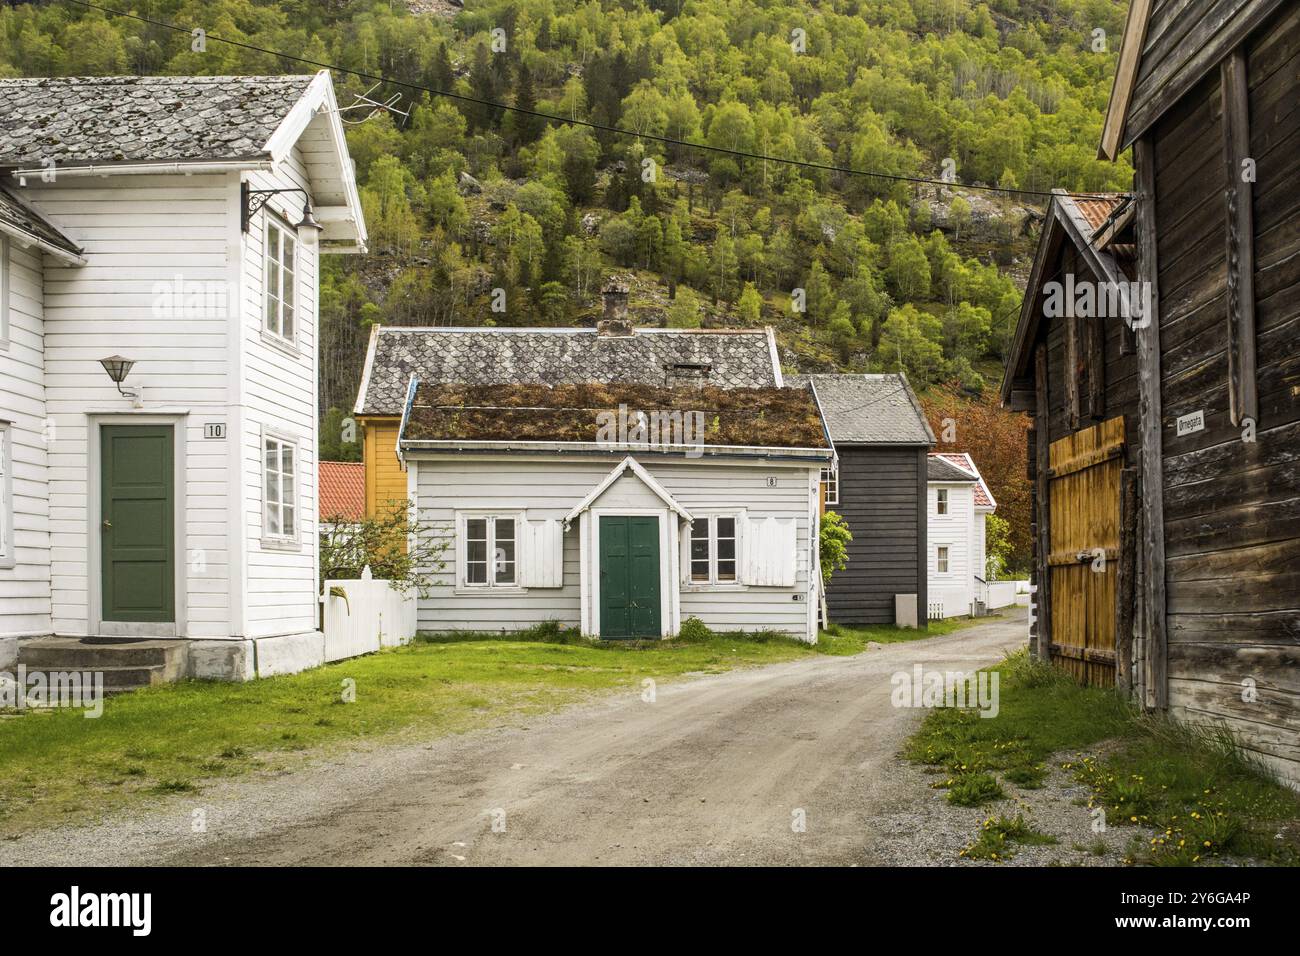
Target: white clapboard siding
<point>550,488</point>
<point>141,235</point>
<point>25,575</point>
<point>770,552</point>
<point>954,589</point>
<point>280,396</point>
<point>541,553</point>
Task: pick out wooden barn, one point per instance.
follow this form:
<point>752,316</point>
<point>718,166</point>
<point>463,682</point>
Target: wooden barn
<point>1073,365</point>
<point>1166,436</point>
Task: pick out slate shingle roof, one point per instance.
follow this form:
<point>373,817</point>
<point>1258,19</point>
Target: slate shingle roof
<point>24,218</point>
<point>120,118</point>
<point>741,359</point>
<point>869,409</point>
<point>962,466</point>
<point>937,469</point>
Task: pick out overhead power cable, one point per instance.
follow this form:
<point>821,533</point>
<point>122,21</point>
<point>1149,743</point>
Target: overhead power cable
<point>603,127</point>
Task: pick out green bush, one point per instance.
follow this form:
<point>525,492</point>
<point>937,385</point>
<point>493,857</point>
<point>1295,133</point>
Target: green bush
<point>693,629</point>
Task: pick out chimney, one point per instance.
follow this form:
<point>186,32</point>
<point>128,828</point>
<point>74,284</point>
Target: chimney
<point>615,320</point>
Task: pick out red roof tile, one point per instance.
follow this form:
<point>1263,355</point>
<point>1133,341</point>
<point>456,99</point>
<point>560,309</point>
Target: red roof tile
<point>342,490</point>
<point>1097,211</point>
<point>983,497</point>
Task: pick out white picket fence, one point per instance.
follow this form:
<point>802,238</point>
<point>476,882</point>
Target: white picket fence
<point>372,615</point>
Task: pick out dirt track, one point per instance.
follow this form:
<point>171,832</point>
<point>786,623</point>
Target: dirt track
<point>712,772</point>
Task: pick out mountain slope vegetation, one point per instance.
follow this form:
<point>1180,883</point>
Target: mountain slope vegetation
<point>486,216</point>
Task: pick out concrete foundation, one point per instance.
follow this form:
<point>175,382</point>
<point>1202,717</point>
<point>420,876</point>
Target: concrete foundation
<point>8,653</point>
<point>289,653</point>
<point>221,660</point>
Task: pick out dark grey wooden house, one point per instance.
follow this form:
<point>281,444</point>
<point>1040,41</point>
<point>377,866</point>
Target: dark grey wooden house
<point>878,485</point>
<point>1202,506</point>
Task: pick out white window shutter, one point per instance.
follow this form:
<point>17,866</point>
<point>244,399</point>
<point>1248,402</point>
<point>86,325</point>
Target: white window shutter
<point>4,499</point>
<point>770,558</point>
<point>541,554</point>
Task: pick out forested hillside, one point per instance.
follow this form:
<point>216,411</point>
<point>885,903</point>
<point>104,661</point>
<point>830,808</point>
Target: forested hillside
<point>482,216</point>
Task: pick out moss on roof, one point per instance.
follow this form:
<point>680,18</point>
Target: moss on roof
<point>754,417</point>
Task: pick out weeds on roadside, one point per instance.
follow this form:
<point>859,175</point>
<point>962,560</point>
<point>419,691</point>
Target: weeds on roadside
<point>1202,794</point>
<point>998,838</point>
<point>974,789</point>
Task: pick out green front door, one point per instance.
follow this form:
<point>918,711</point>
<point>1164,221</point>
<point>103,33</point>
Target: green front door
<point>137,508</point>
<point>629,577</point>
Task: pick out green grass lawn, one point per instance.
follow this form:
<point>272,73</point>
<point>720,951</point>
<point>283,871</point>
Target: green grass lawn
<point>58,765</point>
<point>1195,788</point>
<point>842,639</point>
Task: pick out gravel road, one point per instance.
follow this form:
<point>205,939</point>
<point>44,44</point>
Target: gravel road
<point>717,770</point>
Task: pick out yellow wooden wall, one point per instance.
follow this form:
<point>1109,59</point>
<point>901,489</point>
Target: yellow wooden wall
<point>385,479</point>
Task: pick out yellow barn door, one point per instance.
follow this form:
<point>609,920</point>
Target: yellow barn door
<point>1084,527</point>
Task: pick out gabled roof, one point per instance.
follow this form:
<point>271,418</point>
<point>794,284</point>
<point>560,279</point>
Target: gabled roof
<point>876,409</point>
<point>1121,90</point>
<point>110,119</point>
<point>174,124</point>
<point>25,224</point>
<point>1092,226</point>
<point>627,464</point>
<point>959,466</point>
<point>560,356</point>
<point>936,469</point>
<point>1167,48</point>
<point>342,489</point>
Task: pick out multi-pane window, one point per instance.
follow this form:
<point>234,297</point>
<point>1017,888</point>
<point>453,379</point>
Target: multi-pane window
<point>941,501</point>
<point>6,500</point>
<point>489,548</point>
<point>941,559</point>
<point>713,550</point>
<point>281,488</point>
<point>831,484</point>
<point>279,278</point>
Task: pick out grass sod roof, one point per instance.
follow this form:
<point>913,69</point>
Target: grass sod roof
<point>744,417</point>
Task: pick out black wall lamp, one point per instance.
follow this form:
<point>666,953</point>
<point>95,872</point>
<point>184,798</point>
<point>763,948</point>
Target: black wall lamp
<point>251,200</point>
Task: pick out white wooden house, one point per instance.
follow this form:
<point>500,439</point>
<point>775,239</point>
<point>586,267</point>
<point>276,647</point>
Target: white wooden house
<point>957,502</point>
<point>615,480</point>
<point>175,222</point>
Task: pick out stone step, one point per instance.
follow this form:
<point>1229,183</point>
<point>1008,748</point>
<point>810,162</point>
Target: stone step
<point>118,680</point>
<point>163,657</point>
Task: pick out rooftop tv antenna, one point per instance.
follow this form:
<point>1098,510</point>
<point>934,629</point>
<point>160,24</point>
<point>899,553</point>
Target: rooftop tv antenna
<point>372,107</point>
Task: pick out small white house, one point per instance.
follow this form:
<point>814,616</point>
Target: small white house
<point>158,356</point>
<point>578,478</point>
<point>958,500</point>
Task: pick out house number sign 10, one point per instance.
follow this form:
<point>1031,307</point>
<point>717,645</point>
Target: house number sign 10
<point>214,430</point>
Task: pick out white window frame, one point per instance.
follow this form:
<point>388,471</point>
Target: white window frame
<point>941,501</point>
<point>714,582</point>
<point>281,540</point>
<point>491,517</point>
<point>7,547</point>
<point>942,558</point>
<point>4,293</point>
<point>276,332</point>
<point>831,482</point>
